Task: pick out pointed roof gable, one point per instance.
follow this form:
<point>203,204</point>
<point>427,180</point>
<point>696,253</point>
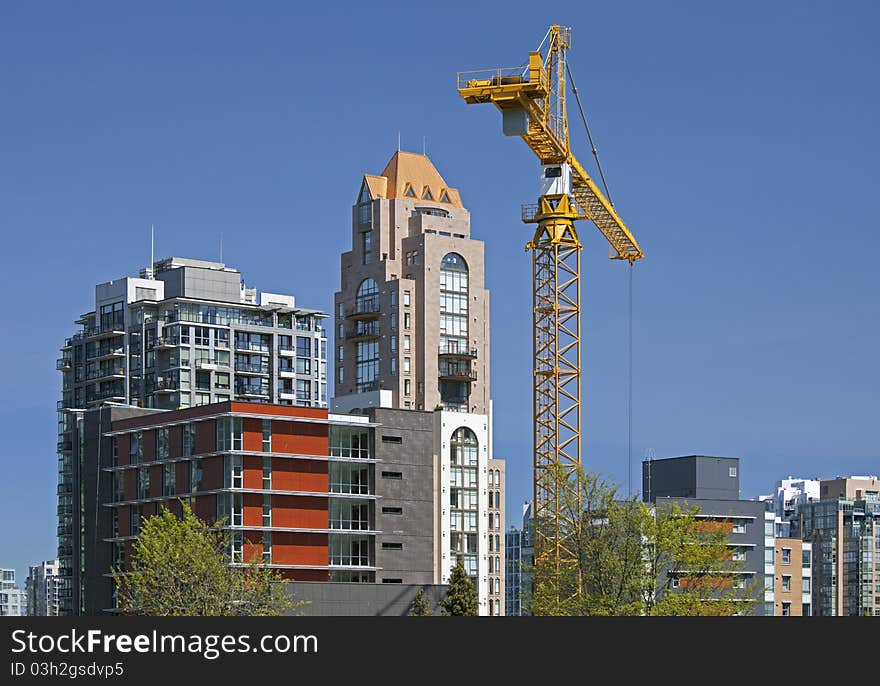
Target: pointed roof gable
<point>409,170</point>
<point>376,186</point>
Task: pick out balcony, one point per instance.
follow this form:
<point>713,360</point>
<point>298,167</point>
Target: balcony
<point>245,368</point>
<point>208,365</point>
<point>455,373</point>
<point>65,446</point>
<point>363,331</point>
<point>65,530</point>
<point>364,308</point>
<point>252,391</point>
<point>106,331</point>
<point>261,348</point>
<point>63,364</point>
<point>457,352</point>
<point>65,488</point>
<point>110,353</point>
<point>109,374</point>
<point>166,385</point>
<point>165,343</point>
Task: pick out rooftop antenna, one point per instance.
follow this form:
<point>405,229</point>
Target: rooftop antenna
<point>425,146</point>
<point>221,248</point>
<point>398,140</point>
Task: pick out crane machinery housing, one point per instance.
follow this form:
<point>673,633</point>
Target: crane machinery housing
<point>531,99</point>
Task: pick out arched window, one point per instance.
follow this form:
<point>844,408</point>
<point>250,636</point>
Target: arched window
<point>368,288</point>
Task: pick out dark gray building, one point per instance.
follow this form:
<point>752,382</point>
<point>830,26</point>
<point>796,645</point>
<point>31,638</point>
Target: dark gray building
<point>712,483</point>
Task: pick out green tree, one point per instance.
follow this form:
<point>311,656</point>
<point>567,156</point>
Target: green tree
<point>421,606</point>
<point>689,568</point>
<point>180,566</point>
<point>461,597</point>
<point>623,556</point>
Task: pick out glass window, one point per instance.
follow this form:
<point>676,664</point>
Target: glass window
<point>189,438</point>
<point>786,556</point>
<point>169,479</point>
<point>267,435</point>
<point>135,447</point>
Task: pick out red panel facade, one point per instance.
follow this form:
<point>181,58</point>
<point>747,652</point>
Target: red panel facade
<point>252,438</point>
<point>300,438</point>
<point>300,512</point>
<point>149,439</point>
<point>299,549</point>
<point>300,475</point>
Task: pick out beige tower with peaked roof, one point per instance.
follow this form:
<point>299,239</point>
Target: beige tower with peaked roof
<point>412,314</point>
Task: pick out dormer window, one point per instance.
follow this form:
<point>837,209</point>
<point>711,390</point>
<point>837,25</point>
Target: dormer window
<point>426,195</point>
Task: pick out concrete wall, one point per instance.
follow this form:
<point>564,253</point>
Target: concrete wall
<point>372,600</point>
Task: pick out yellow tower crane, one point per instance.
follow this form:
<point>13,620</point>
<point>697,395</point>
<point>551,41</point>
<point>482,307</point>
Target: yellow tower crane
<point>532,103</point>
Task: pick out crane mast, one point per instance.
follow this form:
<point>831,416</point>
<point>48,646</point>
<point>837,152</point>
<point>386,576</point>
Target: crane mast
<point>531,99</point>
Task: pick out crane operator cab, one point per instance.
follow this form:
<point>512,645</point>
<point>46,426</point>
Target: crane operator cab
<point>555,179</point>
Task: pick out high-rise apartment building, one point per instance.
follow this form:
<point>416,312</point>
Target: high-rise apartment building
<point>41,587</point>
<point>844,529</point>
<point>412,314</point>
<point>13,600</point>
<point>790,494</point>
<point>411,351</point>
<point>184,333</point>
<point>519,552</point>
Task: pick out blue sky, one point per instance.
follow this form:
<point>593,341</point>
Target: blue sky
<point>739,141</point>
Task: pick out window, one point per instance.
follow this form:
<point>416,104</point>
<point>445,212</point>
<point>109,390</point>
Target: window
<point>406,365</point>
<point>267,435</point>
<point>229,433</point>
<point>233,471</point>
<point>135,521</point>
<point>806,586</point>
<point>406,298</point>
<point>739,526</point>
<point>768,583</point>
<point>786,556</point>
<point>202,336</point>
<point>267,473</point>
<point>392,439</point>
<point>731,472</point>
<point>392,475</point>
<point>786,583</point>
<point>340,352</point>
<point>162,444</point>
<point>367,246</point>
<point>675,582</point>
<point>195,476</point>
<point>394,344</point>
<point>407,320</point>
<point>786,609</point>
<point>136,447</point>
<point>392,581</point>
<point>392,510</point>
<point>236,551</point>
<point>267,510</point>
<point>267,547</point>
<point>392,546</point>
<point>407,387</point>
<point>393,366</point>
<point>738,555</point>
<point>169,478</point>
<point>143,483</point>
<point>221,380</point>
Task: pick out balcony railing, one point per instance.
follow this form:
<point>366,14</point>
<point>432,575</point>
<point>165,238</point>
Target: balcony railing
<point>364,308</point>
<point>458,374</point>
<point>365,330</point>
<point>251,368</point>
<point>262,391</point>
<point>63,364</point>
<point>166,384</point>
<point>458,351</point>
<point>65,445</point>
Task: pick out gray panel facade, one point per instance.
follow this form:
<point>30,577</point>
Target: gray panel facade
<point>412,458</point>
<point>692,476</point>
<point>353,600</point>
